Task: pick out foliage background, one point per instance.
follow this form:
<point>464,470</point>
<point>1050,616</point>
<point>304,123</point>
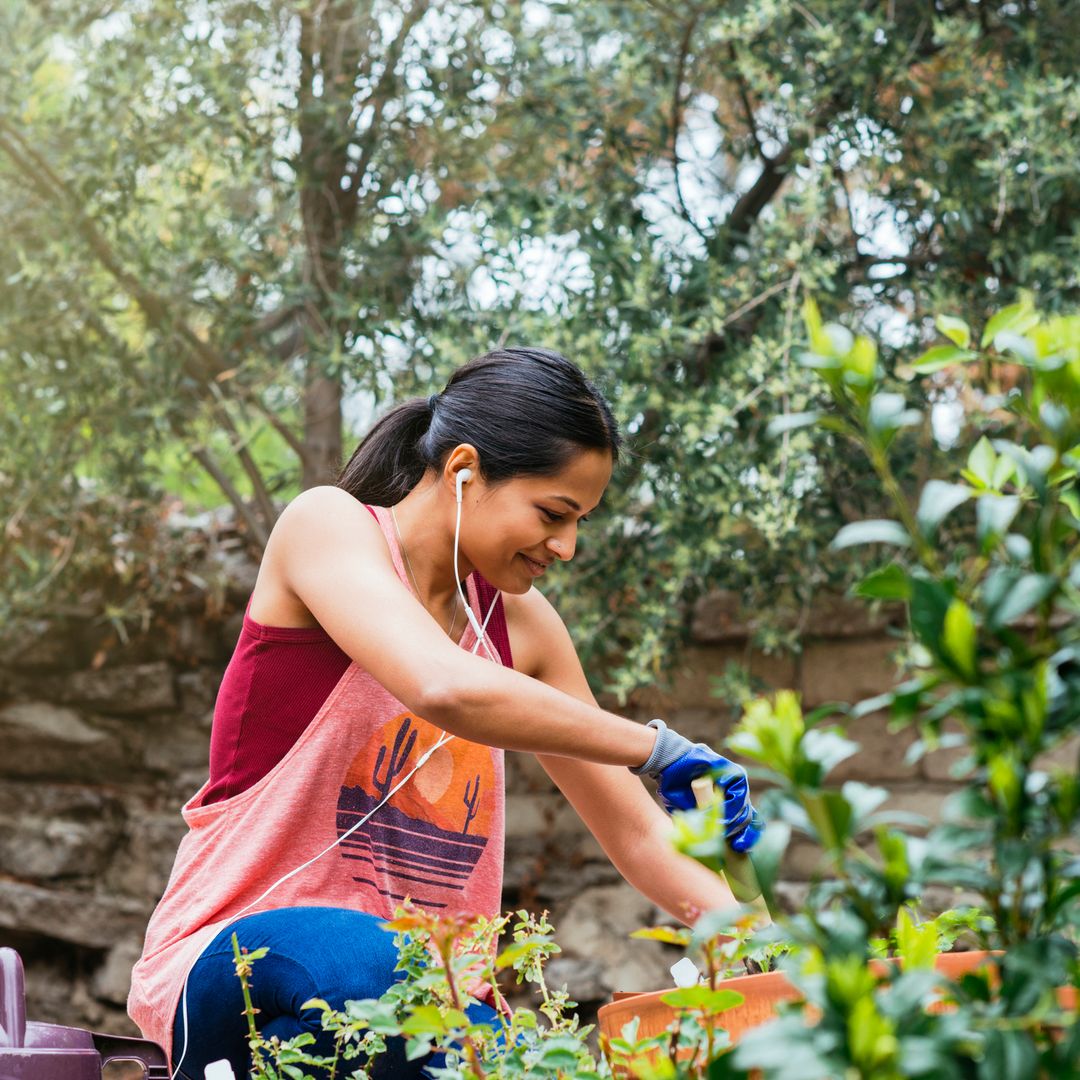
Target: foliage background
<point>236,228</point>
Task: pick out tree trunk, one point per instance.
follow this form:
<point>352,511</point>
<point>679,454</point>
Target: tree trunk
<point>322,429</point>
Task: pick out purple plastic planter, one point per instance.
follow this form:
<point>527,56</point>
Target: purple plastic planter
<point>33,1051</point>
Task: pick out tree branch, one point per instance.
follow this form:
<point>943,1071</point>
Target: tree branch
<point>206,460</point>
<point>156,309</point>
<point>247,463</point>
<point>760,194</point>
<point>377,98</point>
<point>744,97</point>
<point>676,123</point>
<point>282,429</point>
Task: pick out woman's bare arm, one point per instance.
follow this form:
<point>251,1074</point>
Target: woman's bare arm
<point>615,806</point>
<point>329,552</point>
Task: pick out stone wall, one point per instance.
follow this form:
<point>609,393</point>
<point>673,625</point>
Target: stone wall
<point>102,742</point>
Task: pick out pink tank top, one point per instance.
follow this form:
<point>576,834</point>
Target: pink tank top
<point>439,841</point>
<point>276,682</point>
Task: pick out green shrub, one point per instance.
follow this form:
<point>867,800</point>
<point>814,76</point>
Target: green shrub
<point>987,564</point>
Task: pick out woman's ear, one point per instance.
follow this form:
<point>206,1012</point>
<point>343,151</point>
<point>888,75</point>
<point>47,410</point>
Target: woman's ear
<point>462,465</point>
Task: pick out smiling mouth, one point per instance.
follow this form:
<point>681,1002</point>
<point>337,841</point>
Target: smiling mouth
<point>536,568</point>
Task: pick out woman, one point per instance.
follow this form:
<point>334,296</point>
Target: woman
<point>393,647</point>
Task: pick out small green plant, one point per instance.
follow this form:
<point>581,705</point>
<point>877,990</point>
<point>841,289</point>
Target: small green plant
<point>448,963</point>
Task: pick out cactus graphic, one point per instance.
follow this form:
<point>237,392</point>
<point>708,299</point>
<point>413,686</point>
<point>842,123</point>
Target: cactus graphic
<point>398,759</point>
<point>472,792</point>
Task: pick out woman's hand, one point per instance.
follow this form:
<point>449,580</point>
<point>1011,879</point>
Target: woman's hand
<point>676,762</point>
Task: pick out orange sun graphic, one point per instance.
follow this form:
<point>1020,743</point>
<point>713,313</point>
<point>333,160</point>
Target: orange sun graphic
<point>453,789</point>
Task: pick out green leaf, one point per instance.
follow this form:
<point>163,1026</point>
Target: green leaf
<point>703,999</point>
<point>860,359</point>
<point>887,583</point>
<point>916,944</point>
<point>1019,318</point>
<point>889,411</point>
<point>559,1057</point>
<point>939,498</point>
<point>981,461</point>
<point>1021,347</point>
<point>930,601</point>
<point>941,356</point>
<point>1018,547</point>
<point>1004,468</point>
<point>1029,590</point>
<point>993,516</point>
<point>956,330</point>
<point>1008,1054</point>
<point>875,531</point>
<point>841,341</point>
<point>958,637</point>
<point>815,331</point>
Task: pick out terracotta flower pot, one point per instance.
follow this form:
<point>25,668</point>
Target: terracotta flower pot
<point>762,994</point>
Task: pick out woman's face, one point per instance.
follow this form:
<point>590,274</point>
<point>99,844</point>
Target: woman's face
<point>512,531</point>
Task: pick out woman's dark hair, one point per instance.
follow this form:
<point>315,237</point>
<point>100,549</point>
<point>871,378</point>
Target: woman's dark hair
<point>527,411</point>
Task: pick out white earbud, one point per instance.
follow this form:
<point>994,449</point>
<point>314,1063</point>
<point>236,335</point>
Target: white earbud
<point>462,478</point>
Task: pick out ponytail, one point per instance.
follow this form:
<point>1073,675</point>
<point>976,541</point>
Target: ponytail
<point>527,411</point>
<point>388,464</point>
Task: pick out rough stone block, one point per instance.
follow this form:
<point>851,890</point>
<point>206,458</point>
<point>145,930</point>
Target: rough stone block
<point>719,618</point>
<point>43,740</point>
<point>193,640</point>
<point>42,645</point>
<point>197,691</point>
<point>548,877</point>
<point>112,980</point>
<point>881,752</point>
<point>77,917</point>
<point>129,688</point>
<point>922,800</point>
<point>803,861</point>
<point>143,864</point>
<point>57,831</point>
<point>583,979</point>
<point>596,926</point>
<point>834,616</point>
<point>525,775</point>
<point>1065,756</point>
<point>944,764</point>
<point>540,815</point>
<point>229,633</point>
<point>238,568</point>
<point>774,671</point>
<point>174,743</point>
<point>847,671</point>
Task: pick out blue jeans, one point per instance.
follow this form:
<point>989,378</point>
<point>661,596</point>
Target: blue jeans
<point>330,953</point>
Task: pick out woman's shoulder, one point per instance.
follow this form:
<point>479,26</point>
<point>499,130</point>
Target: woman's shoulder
<point>324,518</point>
<point>325,498</point>
<point>320,527</point>
<point>325,509</point>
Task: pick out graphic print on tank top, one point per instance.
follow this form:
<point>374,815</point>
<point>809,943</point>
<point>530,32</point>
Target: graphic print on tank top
<point>426,842</point>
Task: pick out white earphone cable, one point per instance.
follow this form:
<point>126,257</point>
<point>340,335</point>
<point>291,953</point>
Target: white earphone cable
<point>480,629</point>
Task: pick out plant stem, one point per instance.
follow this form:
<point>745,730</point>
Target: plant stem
<point>446,951</point>
<point>243,972</point>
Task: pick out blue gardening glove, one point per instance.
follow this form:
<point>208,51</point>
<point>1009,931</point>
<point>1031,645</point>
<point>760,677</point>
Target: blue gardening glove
<point>676,761</point>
